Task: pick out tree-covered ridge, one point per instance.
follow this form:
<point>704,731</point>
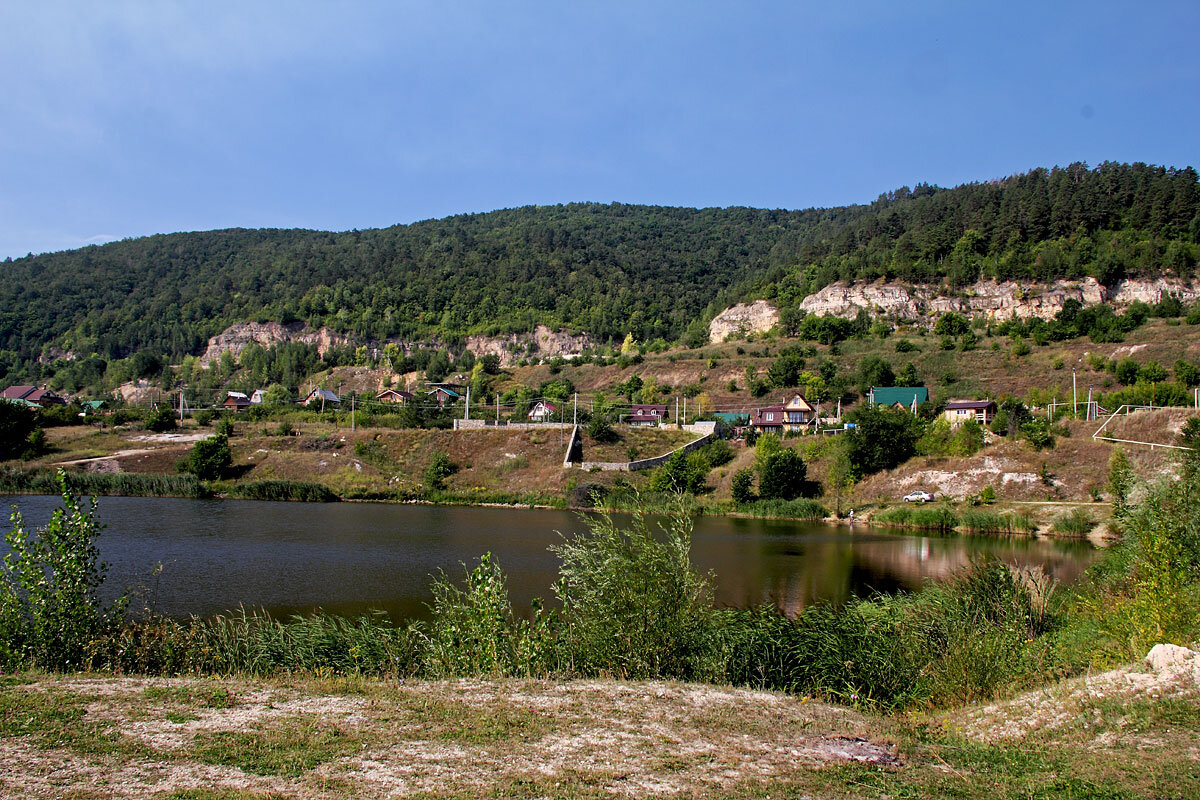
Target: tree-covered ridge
<point>1110,222</point>
<point>607,269</point>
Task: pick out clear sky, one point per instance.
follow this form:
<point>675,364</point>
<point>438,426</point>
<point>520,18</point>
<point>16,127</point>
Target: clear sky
<point>122,119</point>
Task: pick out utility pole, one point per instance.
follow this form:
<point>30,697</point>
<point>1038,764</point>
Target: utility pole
<point>467,411</point>
<point>1074,395</point>
<point>352,412</point>
<point>575,411</point>
<point>497,406</point>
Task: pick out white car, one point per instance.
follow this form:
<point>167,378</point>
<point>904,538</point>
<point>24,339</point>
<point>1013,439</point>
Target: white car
<point>918,497</point>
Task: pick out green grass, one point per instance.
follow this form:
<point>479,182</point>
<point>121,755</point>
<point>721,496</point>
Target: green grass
<point>937,518</point>
<point>289,747</point>
<point>786,509</point>
<point>126,484</point>
<point>1076,522</point>
<point>301,491</point>
<point>977,521</point>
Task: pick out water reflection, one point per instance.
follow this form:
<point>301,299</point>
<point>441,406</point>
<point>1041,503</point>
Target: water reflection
<point>350,558</point>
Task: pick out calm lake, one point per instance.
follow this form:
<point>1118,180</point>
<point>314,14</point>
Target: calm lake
<point>348,558</point>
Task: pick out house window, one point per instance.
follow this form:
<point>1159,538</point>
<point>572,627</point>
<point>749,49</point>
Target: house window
<point>770,417</point>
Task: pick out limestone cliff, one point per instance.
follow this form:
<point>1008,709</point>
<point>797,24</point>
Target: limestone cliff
<point>543,343</point>
<point>994,300</point>
<point>742,319</point>
<point>240,335</point>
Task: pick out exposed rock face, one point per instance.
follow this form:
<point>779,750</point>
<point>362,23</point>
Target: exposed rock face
<point>1153,291</point>
<point>240,335</point>
<point>996,301</point>
<point>511,348</point>
<point>756,317</point>
<point>546,344</point>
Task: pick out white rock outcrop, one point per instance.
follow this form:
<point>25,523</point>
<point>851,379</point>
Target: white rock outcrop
<point>240,335</point>
<point>545,342</point>
<point>743,319</point>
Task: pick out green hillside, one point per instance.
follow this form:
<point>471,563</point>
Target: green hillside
<point>606,269</point>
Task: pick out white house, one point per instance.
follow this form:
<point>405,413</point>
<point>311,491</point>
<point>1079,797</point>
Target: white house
<point>543,411</point>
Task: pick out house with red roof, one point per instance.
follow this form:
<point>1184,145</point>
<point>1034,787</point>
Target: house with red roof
<point>647,415</point>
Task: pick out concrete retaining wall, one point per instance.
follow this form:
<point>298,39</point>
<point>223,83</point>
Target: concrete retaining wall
<point>491,424</point>
<point>573,446</point>
<point>644,463</point>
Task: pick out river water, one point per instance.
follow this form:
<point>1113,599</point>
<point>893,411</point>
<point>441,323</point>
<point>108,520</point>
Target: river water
<point>207,556</point>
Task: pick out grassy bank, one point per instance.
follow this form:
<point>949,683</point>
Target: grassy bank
<point>313,737</point>
<point>18,481</point>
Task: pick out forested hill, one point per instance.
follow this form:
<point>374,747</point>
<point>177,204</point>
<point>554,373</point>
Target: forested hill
<point>606,269</point>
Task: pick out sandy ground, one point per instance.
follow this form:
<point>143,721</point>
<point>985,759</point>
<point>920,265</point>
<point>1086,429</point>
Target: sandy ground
<point>153,737</point>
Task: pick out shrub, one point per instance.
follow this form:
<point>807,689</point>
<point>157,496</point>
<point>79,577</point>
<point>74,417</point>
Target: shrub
<point>682,473</point>
<point>742,488</point>
<point>161,420</point>
<point>600,429</point>
<point>782,475</point>
<point>17,425</point>
<point>49,593</point>
<point>633,604</point>
<point>440,467</point>
<point>224,427</point>
<point>472,631</point>
<point>718,453</point>
<point>203,418</point>
<point>210,458</point>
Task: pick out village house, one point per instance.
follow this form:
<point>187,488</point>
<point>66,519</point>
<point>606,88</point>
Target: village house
<point>646,415</point>
<point>256,398</point>
<point>903,397</point>
<point>798,413</point>
<point>960,411</point>
<point>33,395</point>
<point>543,411</point>
<point>444,396</point>
<point>236,401</point>
<point>320,397</point>
<point>769,419</point>
<point>394,396</point>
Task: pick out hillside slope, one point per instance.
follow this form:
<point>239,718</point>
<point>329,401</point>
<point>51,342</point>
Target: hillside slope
<point>606,269</point>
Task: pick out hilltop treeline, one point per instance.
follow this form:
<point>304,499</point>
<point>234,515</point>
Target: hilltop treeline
<point>608,269</point>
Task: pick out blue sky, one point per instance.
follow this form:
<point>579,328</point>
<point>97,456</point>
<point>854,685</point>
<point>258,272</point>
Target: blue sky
<point>124,119</point>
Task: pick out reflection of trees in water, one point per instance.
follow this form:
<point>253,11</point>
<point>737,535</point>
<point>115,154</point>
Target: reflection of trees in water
<point>792,573</point>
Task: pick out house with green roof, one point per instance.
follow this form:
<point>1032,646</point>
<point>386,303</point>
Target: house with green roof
<point>906,397</point>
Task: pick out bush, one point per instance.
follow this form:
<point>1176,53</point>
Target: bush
<point>210,458</point>
<point>224,427</point>
<point>742,488</point>
<point>440,467</point>
<point>633,604</point>
<point>600,429</point>
<point>782,476</point>
<point>472,631</point>
<point>49,593</point>
<point>17,426</point>
<point>161,420</point>
<point>203,418</point>
<point>718,453</point>
<point>682,473</point>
